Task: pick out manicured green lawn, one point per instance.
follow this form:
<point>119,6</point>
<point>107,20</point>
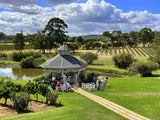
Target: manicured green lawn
<point>76,107</point>
<point>141,95</point>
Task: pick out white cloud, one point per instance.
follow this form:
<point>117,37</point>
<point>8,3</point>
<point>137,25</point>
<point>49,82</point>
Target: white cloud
<point>97,16</point>
<point>57,2</point>
<point>17,2</point>
<point>90,17</point>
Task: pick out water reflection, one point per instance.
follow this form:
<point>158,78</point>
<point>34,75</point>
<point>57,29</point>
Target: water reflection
<point>20,73</point>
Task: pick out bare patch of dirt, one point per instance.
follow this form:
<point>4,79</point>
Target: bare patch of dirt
<point>34,106</point>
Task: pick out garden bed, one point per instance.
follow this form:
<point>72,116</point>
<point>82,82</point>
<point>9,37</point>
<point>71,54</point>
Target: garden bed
<point>34,106</point>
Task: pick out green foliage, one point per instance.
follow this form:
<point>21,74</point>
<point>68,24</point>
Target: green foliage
<point>155,59</point>
<point>123,60</point>
<point>73,46</point>
<point>56,27</point>
<point>40,78</point>
<point>27,62</point>
<point>11,47</point>
<point>146,35</point>
<point>38,61</point>
<point>143,68</point>
<point>54,53</point>
<point>52,98</point>
<point>89,57</point>
<point>43,89</point>
<point>20,101</point>
<point>107,70</point>
<point>3,55</point>
<point>90,77</point>
<point>18,41</point>
<point>18,56</point>
<point>31,87</point>
<point>82,76</point>
<point>6,88</point>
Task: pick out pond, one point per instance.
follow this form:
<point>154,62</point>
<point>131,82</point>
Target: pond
<point>17,73</point>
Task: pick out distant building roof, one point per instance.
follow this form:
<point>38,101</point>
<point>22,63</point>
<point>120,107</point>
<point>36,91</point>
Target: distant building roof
<point>63,61</point>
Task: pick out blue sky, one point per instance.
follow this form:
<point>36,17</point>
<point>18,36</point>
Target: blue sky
<point>82,16</point>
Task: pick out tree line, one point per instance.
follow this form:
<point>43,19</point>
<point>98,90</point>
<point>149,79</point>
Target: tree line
<point>54,35</point>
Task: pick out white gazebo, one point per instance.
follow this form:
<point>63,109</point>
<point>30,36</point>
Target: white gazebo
<point>64,63</point>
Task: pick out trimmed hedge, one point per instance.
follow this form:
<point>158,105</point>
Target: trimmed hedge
<point>106,70</point>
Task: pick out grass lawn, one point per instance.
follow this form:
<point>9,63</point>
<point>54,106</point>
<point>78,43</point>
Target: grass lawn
<point>141,95</point>
<point>8,62</point>
<point>76,107</point>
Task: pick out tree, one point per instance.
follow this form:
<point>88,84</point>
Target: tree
<point>133,36</point>
<point>2,36</point>
<point>56,28</point>
<point>123,60</point>
<point>115,32</point>
<point>42,41</point>
<point>89,57</point>
<point>156,42</point>
<point>79,40</point>
<point>107,35</point>
<point>18,41</point>
<point>143,68</point>
<point>146,35</point>
<point>125,39</point>
<point>73,46</point>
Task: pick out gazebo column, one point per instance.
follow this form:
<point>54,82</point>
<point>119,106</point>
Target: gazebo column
<point>78,76</point>
<point>62,74</point>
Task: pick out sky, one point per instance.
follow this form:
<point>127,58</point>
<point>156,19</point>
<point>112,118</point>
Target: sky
<point>83,17</point>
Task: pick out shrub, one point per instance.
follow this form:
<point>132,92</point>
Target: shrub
<point>5,90</point>
<point>27,62</point>
<point>90,77</point>
<point>38,61</point>
<point>123,60</point>
<point>155,59</point>
<point>145,69</point>
<point>3,55</point>
<point>17,56</point>
<point>20,101</point>
<point>81,76</point>
<point>40,78</point>
<point>52,98</point>
<point>89,57</point>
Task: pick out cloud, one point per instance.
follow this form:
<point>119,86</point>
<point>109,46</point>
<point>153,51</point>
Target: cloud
<point>90,17</point>
<point>97,16</point>
<point>57,2</point>
<point>91,11</point>
<point>22,6</point>
<point>17,2</point>
<point>13,22</point>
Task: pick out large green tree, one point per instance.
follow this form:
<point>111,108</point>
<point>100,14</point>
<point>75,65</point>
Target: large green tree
<point>146,35</point>
<point>19,41</point>
<point>2,36</point>
<point>42,41</point>
<point>156,42</point>
<point>56,28</point>
<point>133,36</point>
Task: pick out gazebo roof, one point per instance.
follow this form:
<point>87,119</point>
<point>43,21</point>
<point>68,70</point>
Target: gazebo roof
<point>63,48</point>
<point>63,61</point>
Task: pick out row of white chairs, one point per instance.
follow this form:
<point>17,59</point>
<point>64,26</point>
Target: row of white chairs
<point>91,86</point>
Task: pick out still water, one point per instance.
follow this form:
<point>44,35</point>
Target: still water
<point>20,73</point>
